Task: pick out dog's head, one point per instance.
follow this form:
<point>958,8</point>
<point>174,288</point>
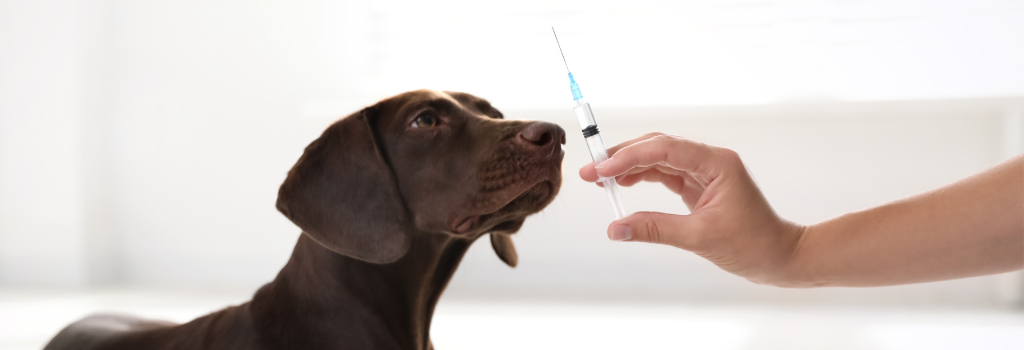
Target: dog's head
<point>422,162</point>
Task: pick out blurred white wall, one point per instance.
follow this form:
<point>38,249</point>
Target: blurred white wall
<point>41,118</point>
<point>142,142</point>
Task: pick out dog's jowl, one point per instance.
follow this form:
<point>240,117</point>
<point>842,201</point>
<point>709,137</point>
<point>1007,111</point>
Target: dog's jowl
<point>388,200</point>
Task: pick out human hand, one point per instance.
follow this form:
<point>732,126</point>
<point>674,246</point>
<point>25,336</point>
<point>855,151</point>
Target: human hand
<point>731,223</point>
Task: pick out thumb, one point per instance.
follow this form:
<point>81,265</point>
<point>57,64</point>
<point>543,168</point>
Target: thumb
<point>651,227</point>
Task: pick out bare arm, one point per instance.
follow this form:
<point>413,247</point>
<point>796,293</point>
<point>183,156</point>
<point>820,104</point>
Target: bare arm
<point>969,228</point>
<point>972,227</point>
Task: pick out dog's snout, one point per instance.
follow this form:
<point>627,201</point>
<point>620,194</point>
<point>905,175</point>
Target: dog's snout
<point>541,134</point>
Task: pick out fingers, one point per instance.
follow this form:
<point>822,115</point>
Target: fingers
<point>647,136</point>
<point>652,227</point>
<point>587,172</point>
<point>633,177</point>
<point>691,190</point>
<point>665,150</point>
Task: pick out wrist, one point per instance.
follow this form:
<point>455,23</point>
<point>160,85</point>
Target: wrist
<point>800,269</point>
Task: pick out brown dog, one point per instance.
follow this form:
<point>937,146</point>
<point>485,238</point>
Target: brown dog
<point>388,199</point>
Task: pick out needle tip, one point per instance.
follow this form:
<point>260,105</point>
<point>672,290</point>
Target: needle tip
<point>560,49</point>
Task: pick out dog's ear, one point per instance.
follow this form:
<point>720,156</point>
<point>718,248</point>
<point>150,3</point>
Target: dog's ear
<point>502,244</point>
<point>343,194</point>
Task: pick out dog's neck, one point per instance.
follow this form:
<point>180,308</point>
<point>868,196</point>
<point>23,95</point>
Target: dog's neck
<point>331,299</point>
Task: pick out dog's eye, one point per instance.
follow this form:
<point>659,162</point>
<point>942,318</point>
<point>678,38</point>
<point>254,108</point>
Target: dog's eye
<point>426,120</point>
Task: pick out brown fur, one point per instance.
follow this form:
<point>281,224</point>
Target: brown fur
<point>387,212</point>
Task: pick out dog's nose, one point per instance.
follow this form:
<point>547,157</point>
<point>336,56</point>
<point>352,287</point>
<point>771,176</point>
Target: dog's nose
<point>541,134</point>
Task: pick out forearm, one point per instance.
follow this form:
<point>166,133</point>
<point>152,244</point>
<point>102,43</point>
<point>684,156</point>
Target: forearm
<point>970,228</point>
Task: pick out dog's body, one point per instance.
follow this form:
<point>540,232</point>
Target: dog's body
<point>389,200</point>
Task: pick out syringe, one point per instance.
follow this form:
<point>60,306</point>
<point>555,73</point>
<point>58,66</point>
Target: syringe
<point>593,136</point>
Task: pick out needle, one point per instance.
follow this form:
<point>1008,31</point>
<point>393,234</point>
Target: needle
<point>595,143</point>
<point>560,48</point>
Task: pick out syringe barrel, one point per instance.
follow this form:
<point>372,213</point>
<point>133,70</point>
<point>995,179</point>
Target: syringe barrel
<point>599,154</point>
<point>597,150</point>
<point>590,132</point>
<point>584,114</point>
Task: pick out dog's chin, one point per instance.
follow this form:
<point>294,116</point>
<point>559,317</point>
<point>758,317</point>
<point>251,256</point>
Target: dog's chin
<point>509,216</point>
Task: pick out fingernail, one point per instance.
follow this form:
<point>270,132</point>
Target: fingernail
<point>603,164</point>
<point>622,233</point>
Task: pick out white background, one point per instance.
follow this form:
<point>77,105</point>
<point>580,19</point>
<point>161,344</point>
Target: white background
<point>142,142</point>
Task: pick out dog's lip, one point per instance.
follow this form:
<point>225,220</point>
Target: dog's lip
<point>466,223</point>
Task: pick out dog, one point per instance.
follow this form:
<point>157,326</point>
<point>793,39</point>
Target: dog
<point>388,199</point>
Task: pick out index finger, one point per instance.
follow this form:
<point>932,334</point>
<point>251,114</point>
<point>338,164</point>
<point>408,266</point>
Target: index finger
<point>666,150</point>
<point>588,173</point>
